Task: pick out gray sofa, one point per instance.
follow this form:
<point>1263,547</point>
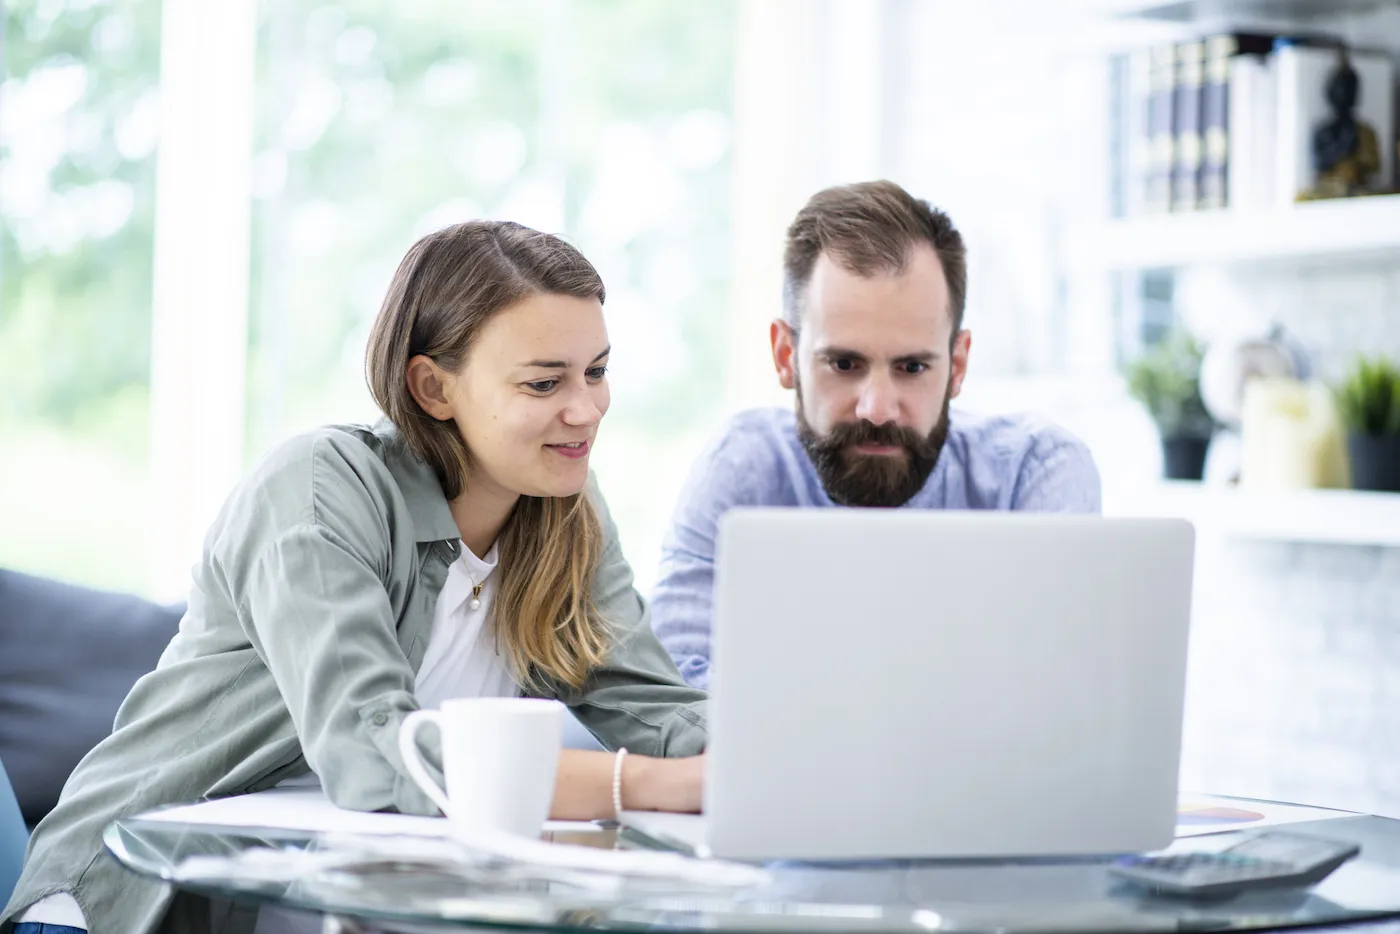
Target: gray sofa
<point>68,657</point>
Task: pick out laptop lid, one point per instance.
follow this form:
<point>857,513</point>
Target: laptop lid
<point>911,683</point>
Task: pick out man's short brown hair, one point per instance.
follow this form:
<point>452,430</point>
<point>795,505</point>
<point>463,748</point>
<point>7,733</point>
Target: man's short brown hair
<point>869,228</point>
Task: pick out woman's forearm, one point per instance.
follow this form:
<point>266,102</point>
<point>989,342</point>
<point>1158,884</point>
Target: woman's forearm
<point>584,787</point>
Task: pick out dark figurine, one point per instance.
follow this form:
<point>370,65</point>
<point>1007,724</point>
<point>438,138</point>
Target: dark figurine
<point>1345,150</point>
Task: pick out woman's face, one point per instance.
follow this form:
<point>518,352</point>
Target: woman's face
<point>531,394</point>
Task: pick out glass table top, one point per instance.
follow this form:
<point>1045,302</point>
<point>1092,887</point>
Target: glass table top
<point>417,882</point>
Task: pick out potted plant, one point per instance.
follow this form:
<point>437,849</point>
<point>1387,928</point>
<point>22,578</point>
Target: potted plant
<point>1369,403</point>
<point>1166,379</point>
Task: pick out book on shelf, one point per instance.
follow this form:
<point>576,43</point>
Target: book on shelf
<point>1252,110</point>
<point>1186,126</point>
<point>1160,128</point>
<point>1228,120</point>
<point>1215,122</point>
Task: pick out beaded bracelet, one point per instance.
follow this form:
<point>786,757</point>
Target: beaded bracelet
<point>617,781</point>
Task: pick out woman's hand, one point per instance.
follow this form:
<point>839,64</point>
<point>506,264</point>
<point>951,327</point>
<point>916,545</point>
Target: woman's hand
<point>663,784</point>
<point>583,789</point>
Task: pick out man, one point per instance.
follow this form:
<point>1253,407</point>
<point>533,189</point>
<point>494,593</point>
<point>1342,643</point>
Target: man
<point>872,341</point>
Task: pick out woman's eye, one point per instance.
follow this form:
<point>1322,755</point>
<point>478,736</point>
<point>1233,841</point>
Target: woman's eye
<point>596,372</point>
<point>542,385</point>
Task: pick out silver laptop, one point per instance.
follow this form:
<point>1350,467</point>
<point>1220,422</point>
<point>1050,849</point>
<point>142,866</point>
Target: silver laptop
<point>911,683</point>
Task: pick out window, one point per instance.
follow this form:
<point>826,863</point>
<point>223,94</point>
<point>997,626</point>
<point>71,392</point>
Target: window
<point>605,121</point>
<point>79,122</point>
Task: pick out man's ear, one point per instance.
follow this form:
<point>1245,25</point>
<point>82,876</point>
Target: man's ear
<point>784,341</point>
<point>962,345</point>
<point>429,384</point>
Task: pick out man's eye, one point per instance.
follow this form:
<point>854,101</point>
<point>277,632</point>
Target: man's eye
<point>843,364</point>
<point>914,367</point>
<point>542,385</point>
<point>596,372</point>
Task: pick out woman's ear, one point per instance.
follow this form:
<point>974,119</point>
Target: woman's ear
<point>429,384</point>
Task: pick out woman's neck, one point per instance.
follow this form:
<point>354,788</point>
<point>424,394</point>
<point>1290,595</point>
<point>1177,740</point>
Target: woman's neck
<point>481,511</point>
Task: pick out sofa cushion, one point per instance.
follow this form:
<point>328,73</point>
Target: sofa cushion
<point>68,657</point>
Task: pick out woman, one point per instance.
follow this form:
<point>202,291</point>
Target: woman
<point>360,573</point>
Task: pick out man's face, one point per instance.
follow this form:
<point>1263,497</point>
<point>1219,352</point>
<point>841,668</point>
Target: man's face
<point>875,365</point>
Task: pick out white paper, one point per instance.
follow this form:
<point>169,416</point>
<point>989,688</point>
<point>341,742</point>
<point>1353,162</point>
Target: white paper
<point>1199,814</point>
<point>309,809</point>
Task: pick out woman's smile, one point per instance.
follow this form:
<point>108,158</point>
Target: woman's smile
<point>571,449</point>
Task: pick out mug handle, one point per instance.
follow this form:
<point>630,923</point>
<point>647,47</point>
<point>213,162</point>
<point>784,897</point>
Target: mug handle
<point>413,759</point>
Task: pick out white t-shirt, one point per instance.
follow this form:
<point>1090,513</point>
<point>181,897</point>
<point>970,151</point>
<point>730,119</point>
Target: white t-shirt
<point>462,660</point>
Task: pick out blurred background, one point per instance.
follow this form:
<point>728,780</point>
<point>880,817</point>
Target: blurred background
<point>202,205</point>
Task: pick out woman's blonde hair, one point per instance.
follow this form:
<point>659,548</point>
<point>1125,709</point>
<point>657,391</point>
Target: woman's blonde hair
<point>448,286</point>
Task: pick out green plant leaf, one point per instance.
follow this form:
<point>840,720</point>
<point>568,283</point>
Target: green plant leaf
<point>1368,397</point>
<point>1166,379</point>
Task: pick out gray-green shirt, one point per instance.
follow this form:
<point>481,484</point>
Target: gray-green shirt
<point>308,618</point>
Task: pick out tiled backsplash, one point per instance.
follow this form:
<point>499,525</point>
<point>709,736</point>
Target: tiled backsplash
<point>1335,308</point>
<point>1295,674</point>
<point>1338,310</point>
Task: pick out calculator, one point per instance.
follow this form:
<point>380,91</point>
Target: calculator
<point>1266,860</point>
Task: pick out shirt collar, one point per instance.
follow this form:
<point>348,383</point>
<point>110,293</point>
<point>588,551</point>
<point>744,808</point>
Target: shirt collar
<point>422,492</point>
<point>478,568</point>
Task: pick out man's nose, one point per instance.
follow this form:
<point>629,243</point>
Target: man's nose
<point>878,402</point>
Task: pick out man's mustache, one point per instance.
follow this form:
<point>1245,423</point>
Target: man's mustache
<point>865,432</point>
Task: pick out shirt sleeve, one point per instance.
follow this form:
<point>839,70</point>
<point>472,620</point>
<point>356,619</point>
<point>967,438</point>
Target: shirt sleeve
<point>682,599</point>
<point>1059,475</point>
<point>309,570</point>
<point>636,698</point>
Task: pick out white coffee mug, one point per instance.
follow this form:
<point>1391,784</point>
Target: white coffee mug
<point>499,760</point>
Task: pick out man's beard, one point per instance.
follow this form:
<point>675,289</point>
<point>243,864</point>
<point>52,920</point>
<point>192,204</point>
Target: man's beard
<point>855,479</point>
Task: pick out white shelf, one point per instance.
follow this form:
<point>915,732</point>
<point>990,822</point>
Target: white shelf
<point>1191,10</point>
<point>1348,517</point>
<point>1352,226</point>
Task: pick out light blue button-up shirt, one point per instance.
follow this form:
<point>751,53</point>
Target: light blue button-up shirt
<point>999,462</point>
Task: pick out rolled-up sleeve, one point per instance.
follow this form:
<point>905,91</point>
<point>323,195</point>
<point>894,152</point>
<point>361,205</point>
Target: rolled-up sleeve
<point>322,623</point>
<point>310,566</point>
